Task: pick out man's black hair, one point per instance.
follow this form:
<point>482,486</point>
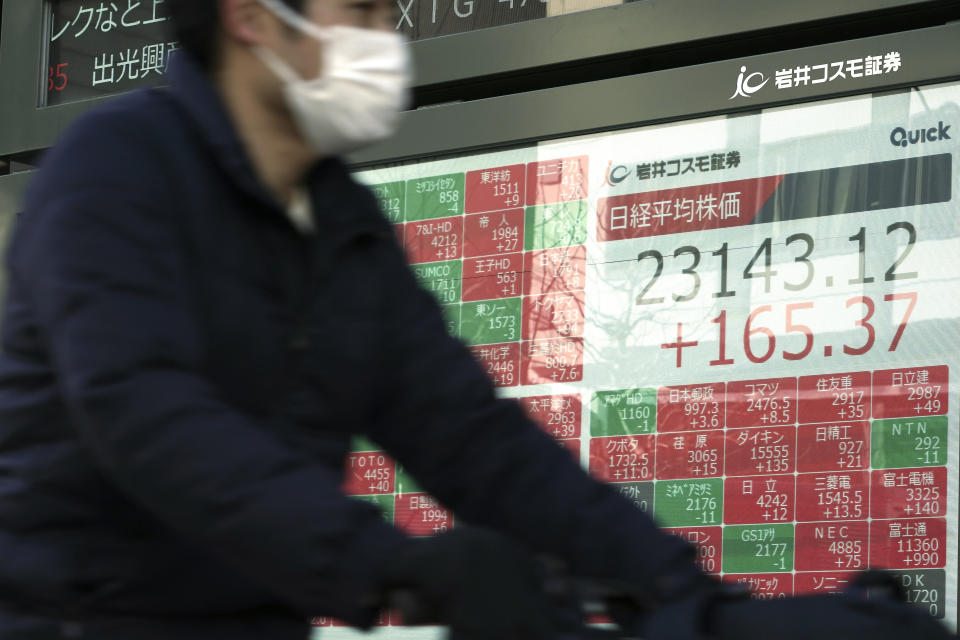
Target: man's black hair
<point>195,24</point>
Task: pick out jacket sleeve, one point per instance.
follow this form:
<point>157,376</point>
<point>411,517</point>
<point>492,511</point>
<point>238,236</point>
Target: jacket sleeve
<point>105,276</point>
<point>483,458</point>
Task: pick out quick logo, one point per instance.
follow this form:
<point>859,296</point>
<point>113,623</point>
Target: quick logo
<point>900,137</point>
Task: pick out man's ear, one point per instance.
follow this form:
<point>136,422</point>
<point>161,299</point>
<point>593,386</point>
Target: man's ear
<point>245,21</point>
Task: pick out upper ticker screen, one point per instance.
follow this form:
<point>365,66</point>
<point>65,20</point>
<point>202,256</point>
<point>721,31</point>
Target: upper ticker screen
<point>104,47</point>
<point>96,49</point>
<point>748,325</point>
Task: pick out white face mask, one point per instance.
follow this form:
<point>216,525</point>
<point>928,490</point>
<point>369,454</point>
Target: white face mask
<point>362,87</point>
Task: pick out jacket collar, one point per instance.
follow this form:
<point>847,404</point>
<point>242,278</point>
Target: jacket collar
<point>343,204</point>
<point>194,92</point>
<point>333,192</point>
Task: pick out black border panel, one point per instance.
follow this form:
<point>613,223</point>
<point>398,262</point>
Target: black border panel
<point>638,26</point>
<point>521,52</point>
<point>929,55</point>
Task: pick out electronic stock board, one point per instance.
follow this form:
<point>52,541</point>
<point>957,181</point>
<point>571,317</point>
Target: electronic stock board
<point>746,324</point>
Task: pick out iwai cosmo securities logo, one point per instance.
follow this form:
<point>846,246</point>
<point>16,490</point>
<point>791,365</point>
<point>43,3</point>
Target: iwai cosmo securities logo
<point>749,83</point>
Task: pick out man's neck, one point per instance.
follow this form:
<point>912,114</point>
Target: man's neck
<point>280,156</point>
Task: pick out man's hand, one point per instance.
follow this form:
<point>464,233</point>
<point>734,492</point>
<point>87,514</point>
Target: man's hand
<point>873,607</point>
<point>478,583</point>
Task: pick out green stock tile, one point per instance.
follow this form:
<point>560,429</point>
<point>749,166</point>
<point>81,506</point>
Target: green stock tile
<point>405,482</point>
<point>435,197</point>
<point>385,502</point>
<point>490,321</point>
<point>451,313</point>
<point>442,279</point>
<point>908,442</point>
<point>624,412</point>
<point>391,197</point>
<point>757,548</point>
<point>688,503</point>
<point>555,225</point>
<point>360,443</point>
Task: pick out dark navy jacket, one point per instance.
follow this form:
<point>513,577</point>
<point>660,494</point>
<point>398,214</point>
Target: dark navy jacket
<point>182,372</point>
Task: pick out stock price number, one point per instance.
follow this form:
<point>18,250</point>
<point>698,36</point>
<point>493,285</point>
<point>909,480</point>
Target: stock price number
<point>702,415</point>
<point>803,242</point>
<point>760,342</point>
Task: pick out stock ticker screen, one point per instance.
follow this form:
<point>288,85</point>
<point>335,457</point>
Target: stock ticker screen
<point>745,324</point>
<point>97,48</point>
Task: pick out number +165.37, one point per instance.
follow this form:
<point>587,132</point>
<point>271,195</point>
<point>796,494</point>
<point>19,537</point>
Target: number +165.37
<point>756,326</point>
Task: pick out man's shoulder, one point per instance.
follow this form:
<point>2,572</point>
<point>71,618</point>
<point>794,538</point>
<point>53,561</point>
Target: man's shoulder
<point>138,115</point>
<point>113,143</point>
